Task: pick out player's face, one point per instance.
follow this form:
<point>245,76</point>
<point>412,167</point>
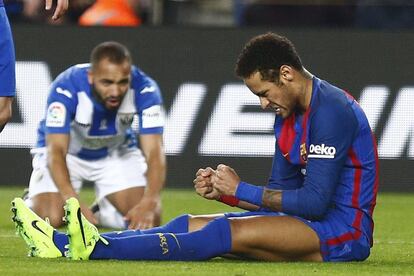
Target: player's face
<point>110,82</point>
<point>278,97</point>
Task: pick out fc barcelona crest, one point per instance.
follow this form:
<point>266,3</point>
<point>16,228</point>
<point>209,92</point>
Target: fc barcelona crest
<point>303,152</point>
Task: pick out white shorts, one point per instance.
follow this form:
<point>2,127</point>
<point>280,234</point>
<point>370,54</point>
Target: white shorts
<point>111,174</point>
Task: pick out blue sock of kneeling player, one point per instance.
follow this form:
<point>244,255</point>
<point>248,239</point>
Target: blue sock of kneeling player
<point>211,241</point>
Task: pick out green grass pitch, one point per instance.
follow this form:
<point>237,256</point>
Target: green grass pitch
<point>392,254</point>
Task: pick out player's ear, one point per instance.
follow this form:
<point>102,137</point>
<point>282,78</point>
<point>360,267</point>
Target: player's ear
<point>286,72</point>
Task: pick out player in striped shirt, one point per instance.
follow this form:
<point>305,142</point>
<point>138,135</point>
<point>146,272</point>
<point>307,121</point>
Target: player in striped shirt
<point>88,135</point>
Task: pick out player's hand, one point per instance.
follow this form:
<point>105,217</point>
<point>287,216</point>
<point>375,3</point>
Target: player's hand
<point>88,214</point>
<point>203,184</point>
<point>146,214</point>
<point>225,180</point>
<point>61,8</point>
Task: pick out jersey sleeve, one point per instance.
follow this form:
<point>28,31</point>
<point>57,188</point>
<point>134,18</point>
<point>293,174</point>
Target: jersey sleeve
<point>331,134</point>
<point>61,106</point>
<point>284,175</point>
<point>149,104</point>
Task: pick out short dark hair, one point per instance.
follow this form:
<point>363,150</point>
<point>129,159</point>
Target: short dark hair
<point>266,53</point>
<point>114,51</point>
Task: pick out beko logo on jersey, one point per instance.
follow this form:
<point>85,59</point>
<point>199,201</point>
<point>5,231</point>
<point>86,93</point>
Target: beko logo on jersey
<point>321,151</point>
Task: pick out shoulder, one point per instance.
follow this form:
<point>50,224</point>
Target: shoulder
<point>332,103</point>
<point>332,112</point>
<point>73,74</point>
<point>68,84</point>
<point>141,82</point>
<point>73,79</point>
<point>147,91</point>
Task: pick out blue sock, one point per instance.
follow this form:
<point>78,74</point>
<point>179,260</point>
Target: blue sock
<point>177,225</point>
<point>211,241</point>
<point>121,234</point>
<point>60,240</point>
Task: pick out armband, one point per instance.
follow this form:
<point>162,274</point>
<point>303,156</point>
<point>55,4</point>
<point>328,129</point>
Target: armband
<point>250,193</point>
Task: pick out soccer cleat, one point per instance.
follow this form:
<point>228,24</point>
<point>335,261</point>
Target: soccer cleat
<point>82,234</point>
<point>36,232</point>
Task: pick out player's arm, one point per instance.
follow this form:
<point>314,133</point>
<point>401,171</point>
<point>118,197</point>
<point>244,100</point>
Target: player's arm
<point>146,213</point>
<point>151,118</point>
<point>60,112</point>
<point>5,111</point>
<point>57,148</point>
<point>333,129</point>
<point>334,132</point>
<point>284,176</point>
<point>203,186</point>
<point>153,148</point>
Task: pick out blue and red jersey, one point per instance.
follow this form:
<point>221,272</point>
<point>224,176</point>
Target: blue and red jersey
<point>326,162</point>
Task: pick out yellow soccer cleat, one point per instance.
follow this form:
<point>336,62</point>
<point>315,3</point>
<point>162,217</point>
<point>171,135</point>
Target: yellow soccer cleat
<point>82,234</point>
<point>37,233</point>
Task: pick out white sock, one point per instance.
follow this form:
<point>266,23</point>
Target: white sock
<point>109,217</point>
<point>29,202</point>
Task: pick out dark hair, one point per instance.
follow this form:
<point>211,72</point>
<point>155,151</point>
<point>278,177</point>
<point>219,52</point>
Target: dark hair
<point>113,51</point>
<point>266,53</point>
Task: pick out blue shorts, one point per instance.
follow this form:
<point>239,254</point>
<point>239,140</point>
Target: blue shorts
<point>339,242</point>
<point>7,58</point>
